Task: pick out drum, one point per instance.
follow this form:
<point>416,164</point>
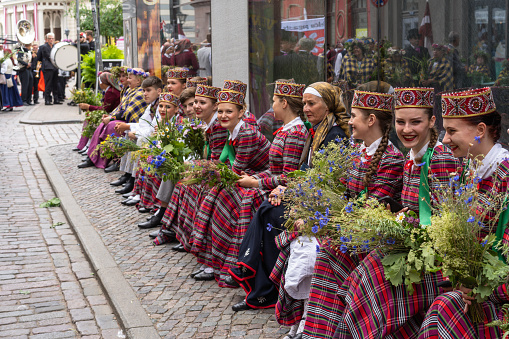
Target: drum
<point>64,56</point>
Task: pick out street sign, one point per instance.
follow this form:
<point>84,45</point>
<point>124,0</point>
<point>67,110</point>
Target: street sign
<point>379,3</point>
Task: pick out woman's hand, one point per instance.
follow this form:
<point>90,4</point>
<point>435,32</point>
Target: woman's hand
<point>276,195</point>
<point>298,224</point>
<point>132,136</point>
<point>106,119</point>
<point>85,107</point>
<point>465,296</point>
<point>247,181</point>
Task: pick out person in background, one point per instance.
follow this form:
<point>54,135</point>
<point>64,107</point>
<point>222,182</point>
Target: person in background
<point>458,67</point>
<point>415,53</point>
<point>205,58</point>
<point>49,70</point>
<point>9,90</point>
<point>184,57</point>
<point>24,57</point>
<point>440,70</point>
<point>35,73</point>
<point>90,39</point>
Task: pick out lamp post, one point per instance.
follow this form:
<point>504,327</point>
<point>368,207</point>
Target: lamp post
<point>181,17</point>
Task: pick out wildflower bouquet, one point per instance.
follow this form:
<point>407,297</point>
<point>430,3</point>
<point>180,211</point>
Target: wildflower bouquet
<point>159,162</point>
<point>369,225</point>
<point>116,147</point>
<point>93,119</point>
<point>503,324</point>
<point>460,233</point>
<point>211,173</point>
<point>86,96</point>
<point>318,195</point>
<point>194,137</point>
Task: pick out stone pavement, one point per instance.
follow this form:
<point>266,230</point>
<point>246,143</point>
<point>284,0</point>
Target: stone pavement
<point>47,288</point>
<point>66,300</point>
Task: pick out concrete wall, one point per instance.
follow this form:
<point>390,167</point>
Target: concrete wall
<point>230,41</point>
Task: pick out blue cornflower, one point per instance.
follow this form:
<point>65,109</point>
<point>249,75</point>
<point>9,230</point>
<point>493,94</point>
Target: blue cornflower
<point>317,248</point>
<point>319,192</point>
<point>344,239</point>
<point>148,168</point>
<point>484,242</point>
<point>269,227</point>
<point>323,222</point>
<point>471,219</point>
<point>331,169</point>
<point>478,139</point>
<point>338,227</point>
<point>343,248</point>
<point>154,142</point>
<point>421,164</point>
<point>314,229</point>
<point>391,241</point>
<point>480,224</point>
<point>468,201</point>
<point>142,178</point>
<point>456,177</point>
<point>477,179</point>
<point>322,151</point>
<point>349,208</point>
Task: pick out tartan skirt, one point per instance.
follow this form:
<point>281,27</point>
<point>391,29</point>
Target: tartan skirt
<point>149,191</point>
<point>139,177</point>
<point>374,308</point>
<point>325,308</point>
<point>446,319</point>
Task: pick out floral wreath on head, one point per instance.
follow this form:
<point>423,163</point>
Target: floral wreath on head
<point>356,43</point>
<point>140,73</point>
<point>117,70</point>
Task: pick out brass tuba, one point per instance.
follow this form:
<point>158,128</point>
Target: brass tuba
<point>25,32</point>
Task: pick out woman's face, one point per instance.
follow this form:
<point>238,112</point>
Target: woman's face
<point>122,79</point>
<point>175,86</point>
<point>133,80</point>
<point>189,108</point>
<point>357,51</point>
<point>277,106</point>
<point>359,123</point>
<point>314,108</point>
<point>413,127</point>
<point>229,115</point>
<point>204,108</point>
<point>103,85</point>
<point>459,136</point>
<point>167,110</point>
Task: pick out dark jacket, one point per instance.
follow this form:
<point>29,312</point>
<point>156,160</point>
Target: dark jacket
<point>20,53</point>
<point>413,55</point>
<point>44,55</point>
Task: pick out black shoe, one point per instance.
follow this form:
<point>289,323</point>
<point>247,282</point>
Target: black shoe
<point>30,104</point>
<point>36,102</point>
<point>179,248</point>
<point>26,104</point>
<point>242,306</point>
<point>169,233</point>
<point>297,336</point>
<point>86,163</point>
<point>127,195</point>
<point>144,210</point>
<point>127,188</point>
<point>204,276</point>
<point>231,282</point>
<point>153,234</point>
<point>155,221</point>
<point>195,273</point>
<point>84,150</point>
<point>122,180</point>
<point>57,102</point>
<point>72,103</point>
<point>112,168</point>
<point>47,103</point>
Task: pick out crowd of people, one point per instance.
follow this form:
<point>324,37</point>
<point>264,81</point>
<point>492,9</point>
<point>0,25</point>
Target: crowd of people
<point>237,234</point>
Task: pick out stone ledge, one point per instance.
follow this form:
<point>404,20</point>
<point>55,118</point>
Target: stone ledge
<point>124,301</point>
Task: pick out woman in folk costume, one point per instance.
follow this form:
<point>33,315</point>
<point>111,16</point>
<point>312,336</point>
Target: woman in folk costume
<point>258,252</point>
<point>147,185</point>
<point>472,127</point>
<point>239,86</point>
<point>378,173</point>
<point>179,215</point>
<point>9,91</point>
<point>176,84</point>
<point>130,109</point>
<point>374,308</point>
<point>247,151</point>
<point>110,100</point>
<point>229,221</point>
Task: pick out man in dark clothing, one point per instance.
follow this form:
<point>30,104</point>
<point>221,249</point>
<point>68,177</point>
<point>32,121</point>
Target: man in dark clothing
<point>416,55</point>
<point>90,40</point>
<point>35,73</point>
<point>24,57</point>
<point>49,70</point>
<point>458,67</point>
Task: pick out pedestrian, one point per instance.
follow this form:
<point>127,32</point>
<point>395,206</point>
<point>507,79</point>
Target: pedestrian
<point>24,57</point>
<point>184,57</point>
<point>36,67</point>
<point>440,71</point>
<point>205,58</point>
<point>89,38</point>
<point>10,94</point>
<point>358,65</point>
<point>49,70</point>
<point>416,55</point>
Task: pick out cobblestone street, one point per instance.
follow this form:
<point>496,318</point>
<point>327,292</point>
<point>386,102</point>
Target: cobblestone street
<point>47,287</point>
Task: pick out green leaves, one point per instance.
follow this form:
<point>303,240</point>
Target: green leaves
<point>394,267</point>
<point>54,202</point>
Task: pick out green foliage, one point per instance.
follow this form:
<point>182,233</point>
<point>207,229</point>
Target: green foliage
<point>110,17</point>
<point>93,119</point>
<point>86,96</point>
<point>88,71</point>
<point>503,324</point>
<point>115,147</point>
<point>53,202</point>
<point>210,173</point>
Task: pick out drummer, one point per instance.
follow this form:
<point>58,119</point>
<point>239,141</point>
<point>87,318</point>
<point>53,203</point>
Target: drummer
<point>49,71</point>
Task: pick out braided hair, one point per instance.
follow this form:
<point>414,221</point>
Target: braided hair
<point>385,119</point>
<point>433,132</point>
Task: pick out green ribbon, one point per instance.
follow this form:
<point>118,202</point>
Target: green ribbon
<point>502,224</point>
<point>228,152</point>
<point>424,195</point>
<point>308,125</point>
<point>464,172</point>
<point>363,193</point>
<point>207,150</point>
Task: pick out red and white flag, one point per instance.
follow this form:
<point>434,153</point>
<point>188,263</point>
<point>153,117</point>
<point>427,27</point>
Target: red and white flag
<point>425,29</point>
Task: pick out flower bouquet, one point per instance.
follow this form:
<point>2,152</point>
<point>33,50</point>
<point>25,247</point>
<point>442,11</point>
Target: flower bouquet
<point>116,147</point>
<point>93,119</point>
<point>211,173</point>
<point>461,233</point>
<point>194,137</point>
<point>86,96</point>
<point>159,162</point>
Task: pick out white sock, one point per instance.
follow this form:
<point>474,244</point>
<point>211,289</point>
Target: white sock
<point>136,197</point>
<point>209,270</point>
<point>303,320</point>
<point>88,143</point>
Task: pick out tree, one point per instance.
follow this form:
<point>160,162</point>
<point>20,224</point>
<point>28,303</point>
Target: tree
<point>110,17</point>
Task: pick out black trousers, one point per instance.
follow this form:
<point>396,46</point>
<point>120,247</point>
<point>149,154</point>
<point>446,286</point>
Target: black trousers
<point>36,88</point>
<point>61,82</point>
<point>27,84</point>
<point>50,82</point>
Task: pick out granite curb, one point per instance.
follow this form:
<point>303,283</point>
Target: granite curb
<point>123,299</point>
<point>50,122</point>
